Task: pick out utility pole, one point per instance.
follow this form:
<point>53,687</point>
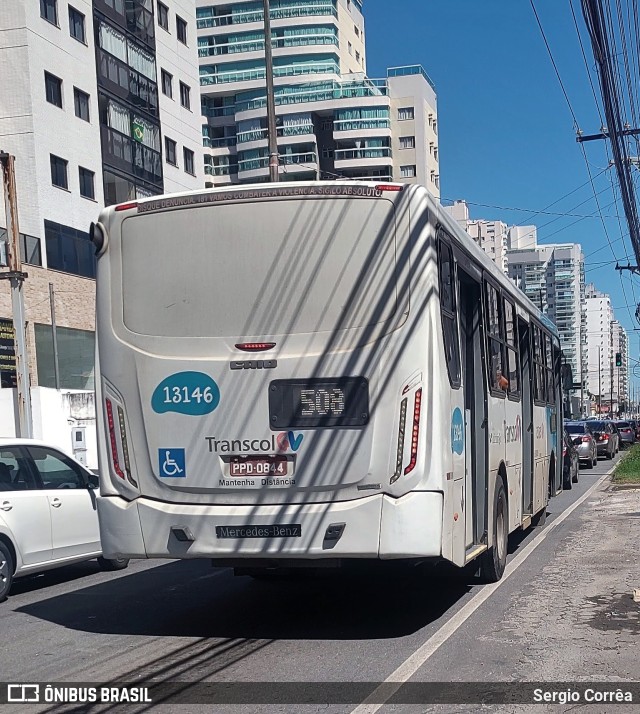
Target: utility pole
<point>274,174</point>
<point>16,277</point>
<point>599,382</point>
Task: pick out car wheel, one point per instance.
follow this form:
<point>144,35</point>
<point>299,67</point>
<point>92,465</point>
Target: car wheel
<point>494,561</point>
<point>7,568</point>
<point>110,564</point>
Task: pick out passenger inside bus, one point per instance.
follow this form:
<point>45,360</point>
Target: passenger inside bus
<point>501,381</point>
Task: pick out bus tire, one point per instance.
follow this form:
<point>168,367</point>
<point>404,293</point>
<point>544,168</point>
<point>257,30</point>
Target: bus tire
<point>7,568</point>
<point>494,560</point>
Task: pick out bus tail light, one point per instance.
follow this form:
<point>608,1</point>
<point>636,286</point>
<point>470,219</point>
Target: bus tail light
<point>415,432</point>
<point>122,468</point>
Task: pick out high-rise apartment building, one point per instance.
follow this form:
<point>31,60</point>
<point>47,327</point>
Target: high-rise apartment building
<point>491,236</point>
<point>99,103</point>
<point>552,277</point>
<point>600,348</point>
<point>620,371</point>
<point>332,120</point>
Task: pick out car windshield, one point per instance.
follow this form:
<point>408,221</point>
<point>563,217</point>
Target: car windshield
<point>624,424</point>
<point>576,428</point>
<point>597,425</point>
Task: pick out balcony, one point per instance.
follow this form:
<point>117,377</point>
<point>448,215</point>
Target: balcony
<point>279,11</point>
<point>360,124</point>
<point>218,143</point>
<point>215,50</point>
<point>122,152</point>
<point>363,153</point>
<point>259,73</point>
<point>282,131</point>
<point>225,170</point>
<point>134,18</point>
<point>127,83</point>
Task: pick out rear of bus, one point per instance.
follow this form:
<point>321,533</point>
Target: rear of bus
<point>264,377</point>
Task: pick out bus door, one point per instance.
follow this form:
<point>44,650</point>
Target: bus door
<point>475,410</point>
<point>526,369</point>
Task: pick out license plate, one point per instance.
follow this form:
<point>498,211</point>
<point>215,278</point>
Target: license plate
<point>258,466</point>
<point>289,530</point>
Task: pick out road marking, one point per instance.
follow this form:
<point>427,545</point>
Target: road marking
<point>376,700</point>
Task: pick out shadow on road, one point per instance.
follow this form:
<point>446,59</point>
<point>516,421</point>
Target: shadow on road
<point>190,599</point>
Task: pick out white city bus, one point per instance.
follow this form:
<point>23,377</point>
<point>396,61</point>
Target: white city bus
<point>307,374</point>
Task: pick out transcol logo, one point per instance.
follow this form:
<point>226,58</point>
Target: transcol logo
<point>276,444</point>
<point>513,432</point>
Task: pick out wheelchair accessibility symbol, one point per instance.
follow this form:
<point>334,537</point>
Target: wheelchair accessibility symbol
<point>172,463</point>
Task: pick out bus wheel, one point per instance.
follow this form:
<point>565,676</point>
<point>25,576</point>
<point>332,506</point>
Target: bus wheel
<point>494,560</point>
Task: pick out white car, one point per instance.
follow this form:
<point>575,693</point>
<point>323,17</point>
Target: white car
<point>48,514</point>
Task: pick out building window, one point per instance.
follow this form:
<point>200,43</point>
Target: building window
<point>163,16</point>
<point>167,83</point>
<point>75,352</point>
<point>69,250</point>
<point>59,172</point>
<point>29,247</point>
<point>407,171</point>
<point>357,30</point>
<point>81,103</point>
<point>76,25</point>
<point>53,89</point>
<point>407,142</point>
<point>181,29</point>
<point>189,165</point>
<point>405,113</point>
<point>49,11</point>
<point>86,183</point>
<point>350,48</point>
<point>357,56</point>
<point>170,151</point>
<point>185,95</point>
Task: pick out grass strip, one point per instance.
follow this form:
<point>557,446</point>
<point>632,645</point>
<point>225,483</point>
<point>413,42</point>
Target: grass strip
<point>627,470</point>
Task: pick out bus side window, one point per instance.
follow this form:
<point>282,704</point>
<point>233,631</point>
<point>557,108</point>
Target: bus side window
<point>549,364</point>
<point>539,368</point>
<point>446,271</point>
<point>498,379</point>
<point>513,373</point>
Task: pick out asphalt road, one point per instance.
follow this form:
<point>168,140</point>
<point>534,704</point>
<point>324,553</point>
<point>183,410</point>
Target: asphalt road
<point>188,622</point>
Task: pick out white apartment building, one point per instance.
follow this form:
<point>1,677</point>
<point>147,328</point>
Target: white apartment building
<point>491,236</point>
<point>552,276</point>
<point>620,372</point>
<point>601,349</point>
<point>83,111</point>
<point>332,120</point>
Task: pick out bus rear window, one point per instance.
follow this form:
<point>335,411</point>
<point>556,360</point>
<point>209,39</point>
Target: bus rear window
<point>269,268</point>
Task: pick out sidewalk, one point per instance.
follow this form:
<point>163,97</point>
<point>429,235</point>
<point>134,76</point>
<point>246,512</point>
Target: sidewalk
<point>579,622</point>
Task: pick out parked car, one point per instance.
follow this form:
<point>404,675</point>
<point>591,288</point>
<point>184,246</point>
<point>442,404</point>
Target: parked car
<point>48,515</point>
<point>583,440</point>
<point>627,433</point>
<point>616,432</point>
<point>570,461</point>
<point>605,436</point>
<point>635,425</point>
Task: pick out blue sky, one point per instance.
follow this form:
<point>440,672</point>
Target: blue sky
<point>506,133</point>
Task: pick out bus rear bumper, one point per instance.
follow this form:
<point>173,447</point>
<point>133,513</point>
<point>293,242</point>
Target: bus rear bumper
<point>375,527</point>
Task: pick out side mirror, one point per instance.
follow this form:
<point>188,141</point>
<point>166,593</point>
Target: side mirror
<point>93,481</point>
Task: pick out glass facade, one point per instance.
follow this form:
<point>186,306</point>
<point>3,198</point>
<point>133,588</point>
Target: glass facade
<point>128,98</point>
<point>75,357</point>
